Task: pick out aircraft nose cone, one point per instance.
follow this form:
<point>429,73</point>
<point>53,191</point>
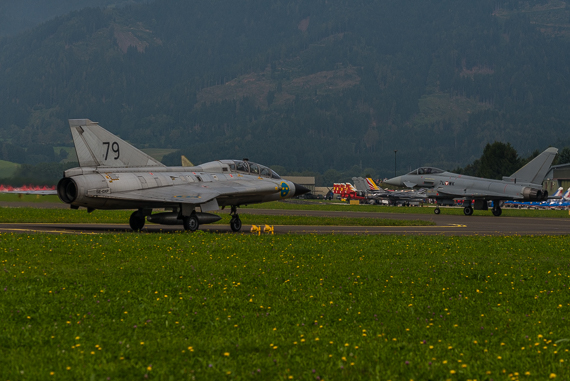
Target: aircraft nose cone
<point>397,181</point>
<point>300,190</point>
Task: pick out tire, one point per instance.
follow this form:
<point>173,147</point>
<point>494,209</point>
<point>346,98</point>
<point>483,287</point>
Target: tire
<point>437,211</point>
<point>235,224</point>
<point>191,223</point>
<point>136,221</point>
<point>497,212</point>
<point>468,211</point>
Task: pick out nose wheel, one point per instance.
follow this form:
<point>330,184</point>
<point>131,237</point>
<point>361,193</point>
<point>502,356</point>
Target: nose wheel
<point>235,222</point>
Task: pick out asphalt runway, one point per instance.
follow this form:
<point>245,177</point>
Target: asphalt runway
<point>449,225</point>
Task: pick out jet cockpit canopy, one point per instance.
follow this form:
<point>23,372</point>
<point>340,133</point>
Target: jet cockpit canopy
<point>246,166</point>
<point>426,171</point>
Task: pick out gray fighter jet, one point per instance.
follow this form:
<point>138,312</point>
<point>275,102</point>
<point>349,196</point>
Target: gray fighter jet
<point>445,187</point>
<point>112,174</point>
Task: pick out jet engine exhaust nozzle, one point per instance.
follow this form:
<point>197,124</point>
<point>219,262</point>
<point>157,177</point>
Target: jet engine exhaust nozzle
<point>67,190</point>
<point>533,194</point>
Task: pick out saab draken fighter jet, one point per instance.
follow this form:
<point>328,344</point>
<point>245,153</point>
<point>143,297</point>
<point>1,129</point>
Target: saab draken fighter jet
<point>112,174</point>
<point>525,184</point>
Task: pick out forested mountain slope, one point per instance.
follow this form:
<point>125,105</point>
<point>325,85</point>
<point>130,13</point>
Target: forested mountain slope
<point>19,15</point>
<point>306,85</point>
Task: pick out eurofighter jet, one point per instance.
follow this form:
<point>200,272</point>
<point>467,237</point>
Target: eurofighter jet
<point>112,174</point>
<point>525,184</point>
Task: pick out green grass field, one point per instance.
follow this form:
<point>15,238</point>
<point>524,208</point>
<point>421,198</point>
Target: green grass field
<point>7,169</point>
<point>337,206</point>
<point>310,307</point>
<point>69,216</point>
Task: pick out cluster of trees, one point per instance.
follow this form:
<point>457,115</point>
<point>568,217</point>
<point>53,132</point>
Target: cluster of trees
<point>500,159</point>
<point>514,80</point>
<point>35,153</point>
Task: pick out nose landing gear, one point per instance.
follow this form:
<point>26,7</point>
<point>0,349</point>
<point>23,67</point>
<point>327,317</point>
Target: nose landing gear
<point>235,222</point>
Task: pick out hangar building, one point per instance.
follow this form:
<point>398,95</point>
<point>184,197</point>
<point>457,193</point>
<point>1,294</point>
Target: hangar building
<point>558,176</point>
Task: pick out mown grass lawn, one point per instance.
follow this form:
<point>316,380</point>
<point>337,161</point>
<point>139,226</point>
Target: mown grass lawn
<point>69,216</point>
<point>312,307</point>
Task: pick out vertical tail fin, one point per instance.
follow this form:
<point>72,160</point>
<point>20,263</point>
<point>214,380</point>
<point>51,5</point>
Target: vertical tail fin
<point>566,195</point>
<point>97,147</point>
<point>372,184</point>
<point>186,162</point>
<point>535,171</point>
<point>360,184</point>
<point>558,193</point>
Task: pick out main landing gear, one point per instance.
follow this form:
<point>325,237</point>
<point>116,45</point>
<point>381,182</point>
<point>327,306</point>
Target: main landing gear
<point>497,209</point>
<point>191,222</point>
<point>235,222</point>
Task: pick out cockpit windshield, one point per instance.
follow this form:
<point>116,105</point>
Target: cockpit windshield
<point>254,169</point>
<point>426,171</point>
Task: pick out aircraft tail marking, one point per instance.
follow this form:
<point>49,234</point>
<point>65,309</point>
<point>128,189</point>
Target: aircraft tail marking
<point>558,193</point>
<point>566,195</point>
<point>535,171</point>
<point>97,147</point>
<point>372,184</point>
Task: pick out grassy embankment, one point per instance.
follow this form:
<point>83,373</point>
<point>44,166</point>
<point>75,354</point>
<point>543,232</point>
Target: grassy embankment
<point>283,307</point>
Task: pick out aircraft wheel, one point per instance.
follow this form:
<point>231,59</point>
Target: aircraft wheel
<point>468,210</point>
<point>136,221</point>
<point>437,211</point>
<point>191,223</point>
<point>497,212</point>
<point>235,223</point>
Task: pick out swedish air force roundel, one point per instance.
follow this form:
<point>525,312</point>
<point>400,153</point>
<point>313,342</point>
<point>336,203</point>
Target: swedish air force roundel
<point>284,189</point>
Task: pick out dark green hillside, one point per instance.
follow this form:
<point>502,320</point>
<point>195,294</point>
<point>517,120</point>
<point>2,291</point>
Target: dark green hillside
<point>306,85</point>
<point>17,16</point>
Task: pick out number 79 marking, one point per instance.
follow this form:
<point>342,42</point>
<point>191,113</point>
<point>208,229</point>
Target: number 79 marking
<point>114,147</point>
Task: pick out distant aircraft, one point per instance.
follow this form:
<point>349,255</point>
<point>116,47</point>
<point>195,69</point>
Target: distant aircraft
<point>525,184</point>
<point>375,193</point>
<point>556,199</point>
<point>112,174</point>
<point>29,189</point>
